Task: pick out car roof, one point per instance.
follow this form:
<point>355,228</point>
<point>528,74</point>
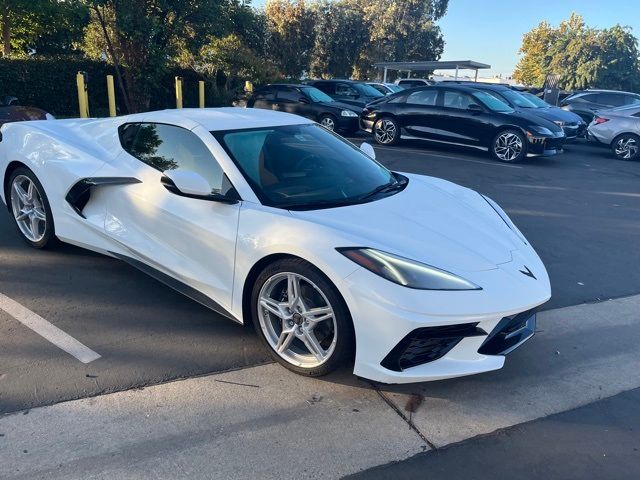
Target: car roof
<point>216,119</point>
<point>454,86</point>
<point>293,85</point>
<point>332,80</point>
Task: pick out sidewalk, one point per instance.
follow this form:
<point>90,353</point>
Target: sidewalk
<point>264,422</point>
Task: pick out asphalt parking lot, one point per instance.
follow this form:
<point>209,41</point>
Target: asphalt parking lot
<point>580,210</point>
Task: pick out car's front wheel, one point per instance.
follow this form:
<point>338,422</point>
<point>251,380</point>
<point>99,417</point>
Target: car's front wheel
<point>30,208</point>
<point>386,131</point>
<point>509,146</point>
<point>626,146</point>
<point>328,121</point>
<point>302,319</point>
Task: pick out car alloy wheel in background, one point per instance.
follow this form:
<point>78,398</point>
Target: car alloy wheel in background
<point>328,122</point>
<point>625,147</point>
<point>509,146</point>
<point>386,131</point>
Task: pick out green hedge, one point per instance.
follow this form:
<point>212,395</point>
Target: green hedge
<point>50,84</point>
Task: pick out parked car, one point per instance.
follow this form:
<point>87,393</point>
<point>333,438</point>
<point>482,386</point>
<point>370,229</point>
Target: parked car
<point>620,129</point>
<point>10,111</point>
<point>261,216</point>
<point>461,115</point>
<point>414,82</point>
<point>309,102</point>
<point>572,124</point>
<point>586,102</point>
<point>348,91</point>
<point>386,88</point>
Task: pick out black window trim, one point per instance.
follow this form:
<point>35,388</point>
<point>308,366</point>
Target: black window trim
<point>234,191</point>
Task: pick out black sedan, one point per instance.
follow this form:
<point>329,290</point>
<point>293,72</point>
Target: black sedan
<point>348,91</point>
<point>571,123</point>
<point>461,115</point>
<point>309,102</point>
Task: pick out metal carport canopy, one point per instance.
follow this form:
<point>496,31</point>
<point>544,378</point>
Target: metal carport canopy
<point>432,65</point>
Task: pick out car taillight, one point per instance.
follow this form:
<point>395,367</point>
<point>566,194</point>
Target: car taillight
<point>599,120</point>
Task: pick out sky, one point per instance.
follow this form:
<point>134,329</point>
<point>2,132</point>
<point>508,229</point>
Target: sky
<point>490,31</point>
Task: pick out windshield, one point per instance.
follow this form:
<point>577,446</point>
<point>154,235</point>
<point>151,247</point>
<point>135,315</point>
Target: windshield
<point>537,101</point>
<point>393,87</point>
<point>492,103</point>
<point>316,95</point>
<point>517,99</point>
<point>366,90</point>
<point>304,166</point>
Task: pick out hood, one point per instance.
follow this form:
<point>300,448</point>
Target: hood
<point>535,119</point>
<point>432,221</point>
<point>342,106</point>
<point>554,114</point>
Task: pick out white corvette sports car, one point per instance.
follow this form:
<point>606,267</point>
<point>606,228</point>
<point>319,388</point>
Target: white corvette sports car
<point>268,218</point>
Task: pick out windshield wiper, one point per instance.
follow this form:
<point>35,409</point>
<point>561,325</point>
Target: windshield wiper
<point>387,187</point>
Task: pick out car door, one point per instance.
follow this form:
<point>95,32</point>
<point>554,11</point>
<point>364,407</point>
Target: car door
<point>459,123</point>
<point>191,240</point>
<point>265,98</point>
<point>419,115</point>
<point>292,100</point>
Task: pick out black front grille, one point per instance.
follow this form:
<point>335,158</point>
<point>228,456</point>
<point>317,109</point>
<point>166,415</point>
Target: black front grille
<point>427,344</point>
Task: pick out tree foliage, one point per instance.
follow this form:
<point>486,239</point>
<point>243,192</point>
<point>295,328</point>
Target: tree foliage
<point>583,56</point>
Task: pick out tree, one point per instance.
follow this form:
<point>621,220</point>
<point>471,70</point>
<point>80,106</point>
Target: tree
<point>402,30</point>
<point>290,28</point>
<point>582,56</point>
<point>142,37</point>
<point>40,26</point>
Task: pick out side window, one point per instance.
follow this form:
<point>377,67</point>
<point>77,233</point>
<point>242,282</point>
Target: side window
<point>614,99</point>
<point>423,97</point>
<point>267,94</point>
<point>167,147</point>
<point>326,87</point>
<point>345,90</point>
<point>456,100</point>
<point>590,97</point>
<point>631,99</point>
<point>128,135</point>
<point>289,95</point>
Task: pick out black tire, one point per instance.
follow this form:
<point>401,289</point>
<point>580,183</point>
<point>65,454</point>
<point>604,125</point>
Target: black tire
<point>328,121</point>
<point>386,131</point>
<point>626,146</point>
<point>501,151</point>
<point>344,348</point>
<point>48,239</point>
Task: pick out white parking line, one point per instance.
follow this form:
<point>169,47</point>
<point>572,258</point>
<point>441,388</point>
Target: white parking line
<point>430,153</point>
<point>47,330</point>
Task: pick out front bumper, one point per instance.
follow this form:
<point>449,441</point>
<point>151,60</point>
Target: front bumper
<point>348,124</point>
<point>544,146</point>
<point>366,125</point>
<point>405,335</point>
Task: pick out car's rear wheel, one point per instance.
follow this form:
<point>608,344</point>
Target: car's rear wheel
<point>328,121</point>
<point>509,146</point>
<point>30,208</point>
<point>626,146</point>
<point>302,319</point>
<point>386,131</point>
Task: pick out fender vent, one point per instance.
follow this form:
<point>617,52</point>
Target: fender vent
<point>79,195</point>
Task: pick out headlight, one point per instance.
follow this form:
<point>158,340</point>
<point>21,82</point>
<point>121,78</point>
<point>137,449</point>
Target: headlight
<point>541,130</point>
<point>408,273</point>
<point>348,113</point>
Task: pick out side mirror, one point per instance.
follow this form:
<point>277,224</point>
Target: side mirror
<point>304,100</point>
<point>192,185</point>
<point>474,107</point>
<point>368,150</point>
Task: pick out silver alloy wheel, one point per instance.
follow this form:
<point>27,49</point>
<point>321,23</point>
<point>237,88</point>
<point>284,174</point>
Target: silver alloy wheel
<point>626,147</point>
<point>28,208</point>
<point>297,320</point>
<point>328,123</point>
<point>385,131</point>
<point>508,146</point>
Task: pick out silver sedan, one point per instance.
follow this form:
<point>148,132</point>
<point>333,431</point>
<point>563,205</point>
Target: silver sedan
<point>620,129</point>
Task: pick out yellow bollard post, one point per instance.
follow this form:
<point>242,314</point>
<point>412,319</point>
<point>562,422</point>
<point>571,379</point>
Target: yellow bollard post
<point>248,86</point>
<point>111,94</point>
<point>178,92</point>
<point>83,94</point>
<point>201,93</point>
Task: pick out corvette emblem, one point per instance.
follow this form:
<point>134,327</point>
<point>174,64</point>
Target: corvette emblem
<point>528,272</point>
